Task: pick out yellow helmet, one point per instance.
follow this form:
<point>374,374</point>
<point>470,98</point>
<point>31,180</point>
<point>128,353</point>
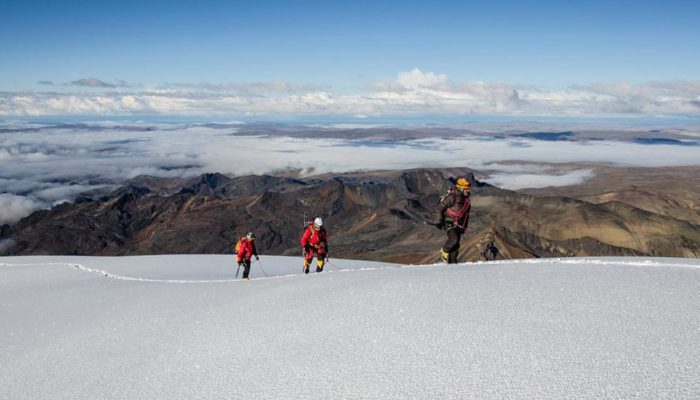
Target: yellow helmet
<point>462,184</point>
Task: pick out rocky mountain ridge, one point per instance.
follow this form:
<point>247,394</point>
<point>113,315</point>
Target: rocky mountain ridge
<point>370,215</point>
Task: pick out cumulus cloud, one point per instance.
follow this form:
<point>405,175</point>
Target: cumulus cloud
<point>411,92</point>
<point>649,98</point>
<point>416,79</point>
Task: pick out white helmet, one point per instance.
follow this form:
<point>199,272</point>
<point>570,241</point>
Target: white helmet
<point>318,222</point>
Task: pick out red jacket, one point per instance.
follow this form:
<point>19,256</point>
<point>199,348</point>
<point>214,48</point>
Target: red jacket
<point>246,250</point>
<point>315,238</point>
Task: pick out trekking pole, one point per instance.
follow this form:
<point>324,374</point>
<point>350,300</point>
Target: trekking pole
<point>261,268</point>
<point>239,264</point>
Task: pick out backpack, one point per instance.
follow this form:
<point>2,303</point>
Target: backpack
<point>237,247</point>
<point>457,217</point>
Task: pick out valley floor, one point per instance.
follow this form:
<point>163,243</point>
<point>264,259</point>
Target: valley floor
<point>181,327</point>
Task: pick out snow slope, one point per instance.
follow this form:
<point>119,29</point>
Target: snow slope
<point>180,327</point>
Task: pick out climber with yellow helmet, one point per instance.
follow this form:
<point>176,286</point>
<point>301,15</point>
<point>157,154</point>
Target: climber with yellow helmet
<point>452,214</point>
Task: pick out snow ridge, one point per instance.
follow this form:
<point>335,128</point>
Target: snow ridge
<point>130,278</point>
<point>110,275</point>
<point>563,261</point>
<point>597,261</point>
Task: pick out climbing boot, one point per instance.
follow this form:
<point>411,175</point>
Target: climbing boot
<point>444,256</point>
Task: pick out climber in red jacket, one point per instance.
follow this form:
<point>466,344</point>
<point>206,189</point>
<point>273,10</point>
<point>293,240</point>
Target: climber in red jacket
<point>314,242</point>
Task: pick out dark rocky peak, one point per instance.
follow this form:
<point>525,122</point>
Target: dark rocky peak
<point>131,192</point>
<point>158,185</point>
<point>206,185</point>
<point>210,180</point>
<point>295,181</point>
<point>126,195</point>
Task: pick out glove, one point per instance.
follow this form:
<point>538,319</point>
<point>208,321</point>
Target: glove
<point>240,263</point>
<point>440,225</point>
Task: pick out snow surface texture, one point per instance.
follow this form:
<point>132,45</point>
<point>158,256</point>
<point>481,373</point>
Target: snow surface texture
<point>180,327</point>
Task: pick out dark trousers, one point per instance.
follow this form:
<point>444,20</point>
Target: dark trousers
<point>451,245</point>
<point>246,268</point>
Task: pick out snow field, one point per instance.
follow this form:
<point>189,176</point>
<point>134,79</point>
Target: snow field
<point>180,327</point>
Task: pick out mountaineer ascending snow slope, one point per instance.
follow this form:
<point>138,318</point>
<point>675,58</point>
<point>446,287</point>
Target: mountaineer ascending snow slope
<point>314,243</point>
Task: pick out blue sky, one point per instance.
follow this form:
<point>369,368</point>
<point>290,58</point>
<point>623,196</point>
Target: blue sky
<point>345,47</point>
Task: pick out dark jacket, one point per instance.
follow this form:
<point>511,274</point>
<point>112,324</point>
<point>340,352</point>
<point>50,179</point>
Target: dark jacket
<point>453,210</point>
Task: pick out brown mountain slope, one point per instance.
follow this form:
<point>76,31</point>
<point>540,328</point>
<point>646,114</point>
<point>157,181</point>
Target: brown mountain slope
<point>373,215</point>
<point>616,224</point>
<point>521,245</point>
<point>363,213</point>
<point>657,203</point>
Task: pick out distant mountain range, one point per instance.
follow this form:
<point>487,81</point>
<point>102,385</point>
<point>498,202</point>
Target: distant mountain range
<point>370,215</point>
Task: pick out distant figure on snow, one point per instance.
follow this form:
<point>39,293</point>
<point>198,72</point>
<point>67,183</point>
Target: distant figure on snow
<point>452,214</point>
<point>245,249</point>
<point>490,252</point>
<point>314,242</point>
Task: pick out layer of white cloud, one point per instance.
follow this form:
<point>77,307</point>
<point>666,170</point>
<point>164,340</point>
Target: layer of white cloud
<point>39,168</point>
<point>61,194</point>
<point>515,181</point>
<point>13,207</point>
<point>411,92</point>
